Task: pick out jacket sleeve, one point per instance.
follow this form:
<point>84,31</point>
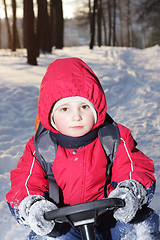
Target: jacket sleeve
<point>28,178</point>
<point>131,163</point>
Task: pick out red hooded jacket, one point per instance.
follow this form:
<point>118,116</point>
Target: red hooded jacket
<point>81,176</point>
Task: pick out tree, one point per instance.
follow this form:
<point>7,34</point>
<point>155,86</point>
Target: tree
<point>129,25</point>
<point>120,7</point>
<point>43,28</point>
<point>93,16</point>
<point>58,23</point>
<point>114,22</point>
<point>104,25</point>
<point>90,15</point>
<point>8,25</point>
<point>99,22</point>
<point>149,17</point>
<point>29,32</point>
<point>15,38</point>
<point>109,22</point>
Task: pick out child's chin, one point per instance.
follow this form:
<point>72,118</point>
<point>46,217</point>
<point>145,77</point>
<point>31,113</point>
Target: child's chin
<point>76,134</point>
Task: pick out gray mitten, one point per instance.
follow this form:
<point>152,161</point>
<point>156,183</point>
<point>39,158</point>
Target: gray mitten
<point>32,210</point>
<point>134,195</point>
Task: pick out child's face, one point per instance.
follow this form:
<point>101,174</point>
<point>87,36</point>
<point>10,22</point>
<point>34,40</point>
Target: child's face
<point>74,119</point>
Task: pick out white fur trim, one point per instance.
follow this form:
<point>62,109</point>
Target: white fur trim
<point>68,100</point>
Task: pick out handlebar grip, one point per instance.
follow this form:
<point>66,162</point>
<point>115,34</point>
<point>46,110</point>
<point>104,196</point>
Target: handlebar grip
<point>49,216</point>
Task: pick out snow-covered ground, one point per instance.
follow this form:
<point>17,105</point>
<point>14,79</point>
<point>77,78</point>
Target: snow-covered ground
<point>131,80</point>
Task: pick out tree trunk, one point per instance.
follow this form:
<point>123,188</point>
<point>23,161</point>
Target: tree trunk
<point>129,27</point>
<point>121,22</point>
<point>104,27</point>
<point>8,25</point>
<point>58,22</point>
<point>93,25</point>
<point>99,22</point>
<point>43,27</point>
<point>53,22</point>
<point>109,23</point>
<point>90,16</point>
<point>30,38</point>
<point>114,23</point>
<point>15,40</point>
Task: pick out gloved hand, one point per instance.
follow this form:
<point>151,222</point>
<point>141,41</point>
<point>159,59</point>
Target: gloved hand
<point>134,195</point>
<point>32,210</point>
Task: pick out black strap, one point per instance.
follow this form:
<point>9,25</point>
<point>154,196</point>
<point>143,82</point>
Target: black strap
<point>110,139</point>
<point>53,189</point>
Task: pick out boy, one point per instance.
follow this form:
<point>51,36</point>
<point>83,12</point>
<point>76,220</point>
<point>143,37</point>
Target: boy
<point>72,108</point>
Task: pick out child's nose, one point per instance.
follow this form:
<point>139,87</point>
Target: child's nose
<point>76,115</point>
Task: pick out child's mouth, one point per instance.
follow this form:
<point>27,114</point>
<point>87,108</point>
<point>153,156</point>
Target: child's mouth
<point>77,127</point>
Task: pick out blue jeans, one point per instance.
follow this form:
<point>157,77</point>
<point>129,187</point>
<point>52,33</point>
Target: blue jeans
<point>145,226</point>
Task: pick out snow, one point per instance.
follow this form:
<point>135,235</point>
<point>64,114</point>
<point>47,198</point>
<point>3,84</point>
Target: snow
<point>130,78</point>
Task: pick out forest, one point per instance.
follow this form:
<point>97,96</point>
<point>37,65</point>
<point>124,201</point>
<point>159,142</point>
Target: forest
<point>120,23</point>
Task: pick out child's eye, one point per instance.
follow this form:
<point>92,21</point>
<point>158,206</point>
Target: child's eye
<point>85,106</point>
<point>64,109</point>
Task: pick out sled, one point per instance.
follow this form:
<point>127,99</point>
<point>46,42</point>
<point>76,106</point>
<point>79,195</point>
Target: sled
<point>85,215</point>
